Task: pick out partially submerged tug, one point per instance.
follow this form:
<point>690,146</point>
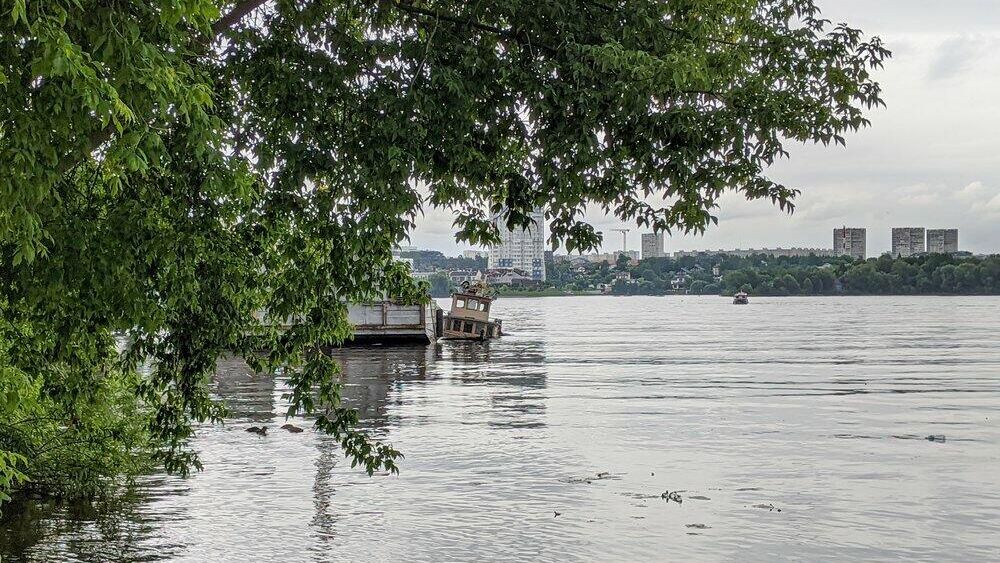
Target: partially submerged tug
<point>469,318</point>
<point>741,298</point>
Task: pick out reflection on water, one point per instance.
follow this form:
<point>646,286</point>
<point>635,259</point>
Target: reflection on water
<point>795,428</point>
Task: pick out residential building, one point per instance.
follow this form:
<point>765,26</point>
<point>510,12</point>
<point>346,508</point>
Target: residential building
<point>849,241</point>
<point>907,241</point>
<point>652,245</point>
<point>458,277</point>
<point>611,257</point>
<point>680,280</point>
<point>473,254</point>
<point>942,241</point>
<point>422,275</point>
<point>512,277</point>
<point>523,249</point>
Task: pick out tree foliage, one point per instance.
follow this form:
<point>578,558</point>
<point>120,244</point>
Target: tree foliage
<point>930,274</point>
<point>168,170</point>
<point>440,285</point>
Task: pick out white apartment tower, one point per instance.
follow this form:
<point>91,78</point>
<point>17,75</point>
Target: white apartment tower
<point>850,242</point>
<point>652,245</point>
<point>522,249</point>
<point>907,241</point>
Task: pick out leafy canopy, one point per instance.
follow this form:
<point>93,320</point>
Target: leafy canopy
<point>170,168</point>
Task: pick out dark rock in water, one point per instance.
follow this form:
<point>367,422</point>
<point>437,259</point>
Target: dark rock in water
<point>259,430</point>
<point>291,428</point>
<point>936,438</point>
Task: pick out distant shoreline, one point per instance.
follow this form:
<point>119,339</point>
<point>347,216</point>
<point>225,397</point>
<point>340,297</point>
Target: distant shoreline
<point>528,296</point>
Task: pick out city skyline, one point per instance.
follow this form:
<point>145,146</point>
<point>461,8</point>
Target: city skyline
<point>928,159</point>
<point>904,242</point>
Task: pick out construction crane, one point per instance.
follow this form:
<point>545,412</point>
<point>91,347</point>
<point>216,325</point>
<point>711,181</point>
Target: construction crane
<point>624,233</point>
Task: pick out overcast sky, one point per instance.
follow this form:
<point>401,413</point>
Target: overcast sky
<point>931,159</point>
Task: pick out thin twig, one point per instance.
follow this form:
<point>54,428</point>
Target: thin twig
<point>427,52</point>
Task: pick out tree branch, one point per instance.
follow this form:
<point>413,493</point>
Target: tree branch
<point>520,38</point>
<point>238,12</point>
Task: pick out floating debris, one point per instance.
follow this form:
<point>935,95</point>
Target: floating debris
<point>259,430</point>
<point>769,507</point>
<point>291,428</point>
<point>936,438</point>
<point>699,526</point>
<point>672,496</point>
<point>554,513</point>
<point>603,475</point>
<point>699,497</point>
<point>640,496</point>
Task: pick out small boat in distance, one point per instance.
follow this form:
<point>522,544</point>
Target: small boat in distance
<point>469,318</point>
<point>741,298</point>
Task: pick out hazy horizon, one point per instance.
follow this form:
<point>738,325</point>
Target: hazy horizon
<point>929,159</point>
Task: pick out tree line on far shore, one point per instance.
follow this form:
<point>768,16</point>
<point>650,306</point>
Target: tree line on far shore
<point>929,274</point>
<point>807,275</point>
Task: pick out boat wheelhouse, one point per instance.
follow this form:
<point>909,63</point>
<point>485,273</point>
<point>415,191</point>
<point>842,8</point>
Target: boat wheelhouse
<point>469,317</point>
<point>741,298</point>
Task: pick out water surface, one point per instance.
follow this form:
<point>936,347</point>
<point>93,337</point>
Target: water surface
<point>792,429</point>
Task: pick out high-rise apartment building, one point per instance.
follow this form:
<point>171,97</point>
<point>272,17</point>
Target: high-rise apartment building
<point>907,241</point>
<point>851,242</point>
<point>942,241</point>
<point>652,245</point>
<point>522,249</point>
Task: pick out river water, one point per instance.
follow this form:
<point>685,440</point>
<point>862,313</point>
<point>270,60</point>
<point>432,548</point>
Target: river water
<point>791,429</point>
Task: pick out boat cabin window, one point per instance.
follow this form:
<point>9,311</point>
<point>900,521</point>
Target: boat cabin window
<point>459,303</point>
<point>473,304</point>
<point>456,325</point>
<point>484,306</point>
<point>468,327</point>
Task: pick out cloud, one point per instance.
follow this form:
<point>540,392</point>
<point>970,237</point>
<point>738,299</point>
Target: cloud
<point>972,191</point>
<point>917,195</point>
<point>956,55</point>
<point>989,207</point>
